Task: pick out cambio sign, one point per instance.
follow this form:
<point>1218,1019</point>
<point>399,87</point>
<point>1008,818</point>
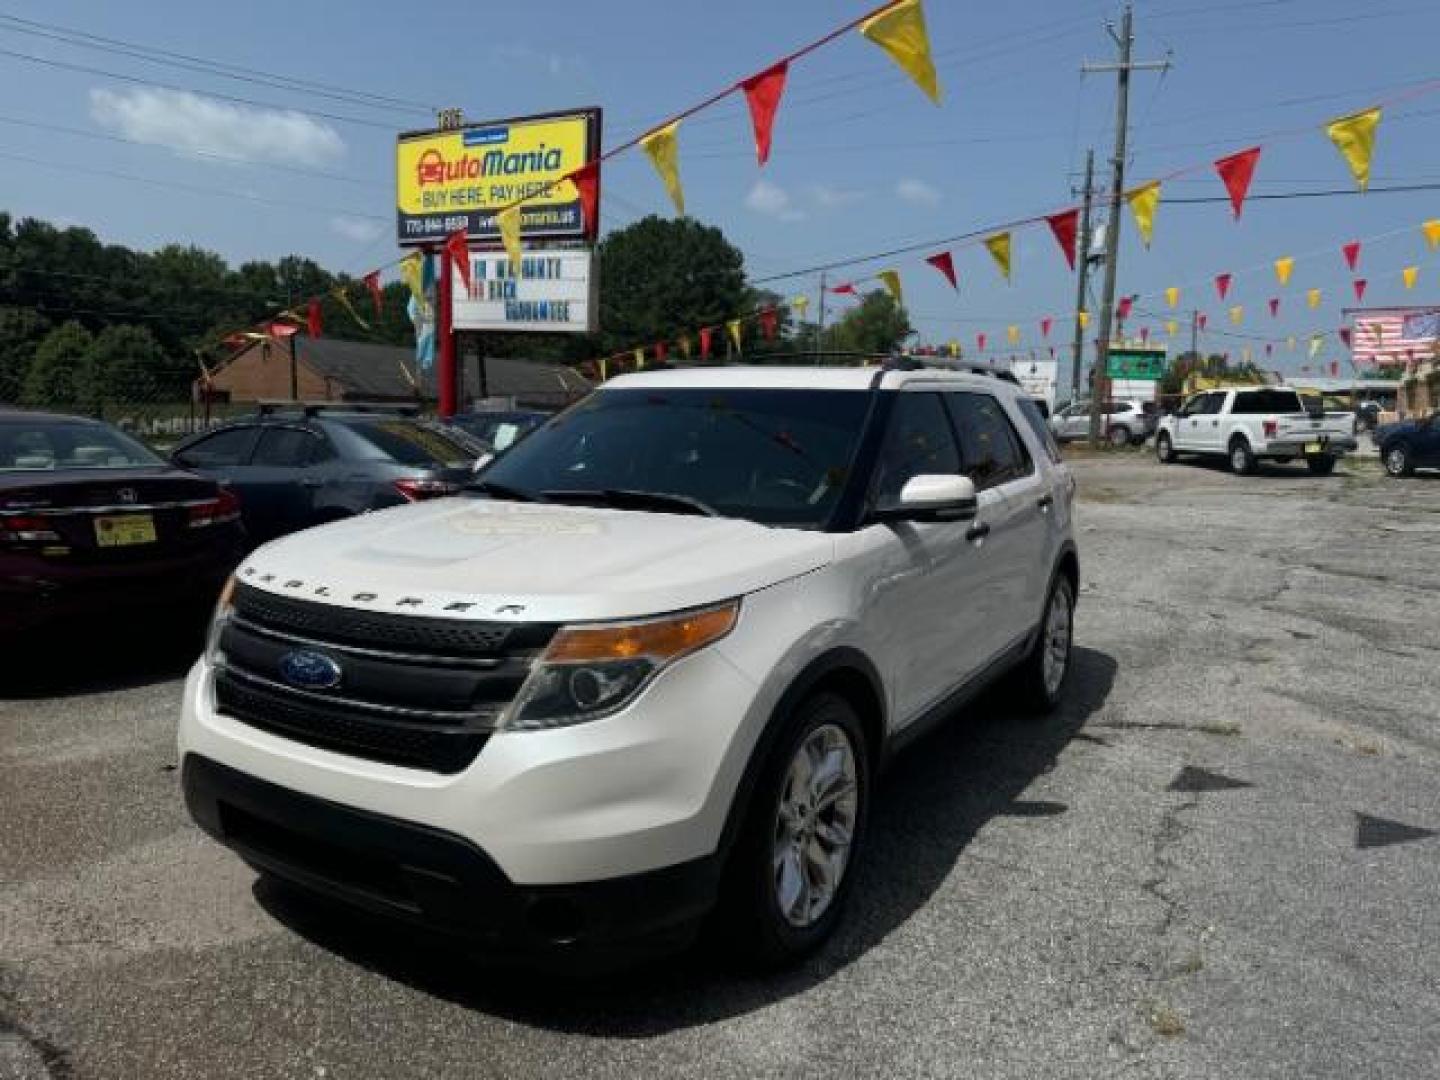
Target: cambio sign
<point>447,180</point>
<point>553,292</point>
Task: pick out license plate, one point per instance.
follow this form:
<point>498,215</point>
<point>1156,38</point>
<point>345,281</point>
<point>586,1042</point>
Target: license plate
<point>1314,447</point>
<point>124,529</point>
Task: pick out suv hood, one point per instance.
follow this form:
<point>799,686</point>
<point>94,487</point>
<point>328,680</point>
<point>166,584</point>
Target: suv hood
<point>531,562</point>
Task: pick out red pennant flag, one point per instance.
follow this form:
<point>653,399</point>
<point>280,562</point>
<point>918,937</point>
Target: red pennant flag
<point>1201,320</point>
<point>1145,335</point>
<point>372,282</point>
<point>1222,284</point>
<point>314,323</point>
<point>1045,327</point>
<point>1351,251</point>
<point>457,252</point>
<point>1236,172</point>
<point>660,352</point>
<point>1274,306</point>
<point>980,342</point>
<point>1065,225</point>
<point>1345,336</point>
<point>1360,284</point>
<point>1122,309</point>
<point>705,332</point>
<point>587,183</point>
<point>946,265</point>
<point>843,290</point>
<point>1334,368</point>
<point>768,323</point>
<point>762,94</point>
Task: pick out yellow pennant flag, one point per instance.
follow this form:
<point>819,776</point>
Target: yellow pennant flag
<point>1431,229</point>
<point>1409,274</point>
<point>1012,335</point>
<point>999,248</point>
<point>1172,296</point>
<point>412,273</point>
<point>1143,201</point>
<point>954,348</point>
<point>639,359</point>
<point>1283,268</point>
<point>733,329</point>
<point>900,31</point>
<point>1237,314</point>
<point>508,221</point>
<point>1312,298</point>
<point>891,278</point>
<point>1084,317</point>
<point>800,303</point>
<point>664,152</point>
<point>1316,340</point>
<point>685,345</point>
<point>1354,137</point>
<point>604,370</point>
<point>344,301</point>
<point>1171,326</point>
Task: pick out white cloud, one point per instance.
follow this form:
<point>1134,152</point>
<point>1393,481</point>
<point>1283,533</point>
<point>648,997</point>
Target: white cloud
<point>189,123</point>
<point>917,192</point>
<point>357,229</point>
<point>828,198</point>
<point>773,201</point>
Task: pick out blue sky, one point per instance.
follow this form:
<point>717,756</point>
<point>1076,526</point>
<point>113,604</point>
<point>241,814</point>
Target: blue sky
<point>861,161</point>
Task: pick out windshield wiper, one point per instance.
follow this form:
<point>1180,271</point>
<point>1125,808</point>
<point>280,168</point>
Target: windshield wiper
<point>498,490</point>
<point>625,499</point>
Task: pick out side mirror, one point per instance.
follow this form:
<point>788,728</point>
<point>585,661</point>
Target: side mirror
<point>932,497</point>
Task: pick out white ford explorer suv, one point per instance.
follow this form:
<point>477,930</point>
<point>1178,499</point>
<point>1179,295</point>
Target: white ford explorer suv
<point>1249,424</point>
<point>647,667</point>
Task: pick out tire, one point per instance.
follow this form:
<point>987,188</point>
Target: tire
<point>1038,681</point>
<point>1321,464</point>
<point>765,914</point>
<point>1164,449</point>
<point>1397,460</point>
<point>1118,436</point>
<point>1242,461</point>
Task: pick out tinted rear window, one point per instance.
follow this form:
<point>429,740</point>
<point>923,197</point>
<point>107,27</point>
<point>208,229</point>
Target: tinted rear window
<point>1257,402</point>
<point>411,444</point>
<point>44,445</point>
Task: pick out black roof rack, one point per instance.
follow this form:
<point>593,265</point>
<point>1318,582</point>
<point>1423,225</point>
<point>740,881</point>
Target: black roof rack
<point>910,362</point>
<point>314,408</point>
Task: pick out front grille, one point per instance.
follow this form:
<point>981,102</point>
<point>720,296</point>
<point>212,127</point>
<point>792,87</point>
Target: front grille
<point>413,690</point>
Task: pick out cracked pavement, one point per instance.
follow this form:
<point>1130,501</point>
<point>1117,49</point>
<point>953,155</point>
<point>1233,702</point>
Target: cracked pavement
<point>1037,900</point>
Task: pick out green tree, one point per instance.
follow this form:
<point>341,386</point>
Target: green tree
<point>21,331</point>
<point>876,325</point>
<point>661,277</point>
<point>56,375</point>
<point>125,364</point>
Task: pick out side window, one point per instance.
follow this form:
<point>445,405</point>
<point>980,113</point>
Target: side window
<point>1194,406</point>
<point>990,448</point>
<point>1217,402</point>
<point>285,447</point>
<point>1031,411</point>
<point>918,442</point>
<point>228,447</point>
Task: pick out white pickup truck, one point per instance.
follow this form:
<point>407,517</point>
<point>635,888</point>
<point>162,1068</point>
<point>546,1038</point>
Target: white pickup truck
<point>1249,424</point>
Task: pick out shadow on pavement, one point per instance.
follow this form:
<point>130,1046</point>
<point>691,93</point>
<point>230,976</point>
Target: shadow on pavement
<point>930,803</point>
<point>104,655</point>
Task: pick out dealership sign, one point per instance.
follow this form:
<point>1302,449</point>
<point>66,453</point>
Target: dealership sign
<point>1146,365</point>
<point>551,291</point>
<point>454,179</point>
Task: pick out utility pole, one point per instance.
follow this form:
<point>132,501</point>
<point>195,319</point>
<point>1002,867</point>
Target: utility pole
<point>1195,334</point>
<point>1125,40</point>
<point>1084,273</point>
<point>820,326</point>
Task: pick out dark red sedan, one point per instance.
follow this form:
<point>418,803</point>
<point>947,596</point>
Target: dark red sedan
<point>94,527</point>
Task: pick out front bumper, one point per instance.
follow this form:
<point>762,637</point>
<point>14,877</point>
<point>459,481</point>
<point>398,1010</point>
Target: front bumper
<point>435,879</point>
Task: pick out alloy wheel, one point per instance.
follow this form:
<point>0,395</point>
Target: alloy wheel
<point>815,825</point>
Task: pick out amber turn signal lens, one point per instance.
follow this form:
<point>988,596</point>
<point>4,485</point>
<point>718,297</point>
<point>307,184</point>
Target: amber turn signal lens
<point>658,639</point>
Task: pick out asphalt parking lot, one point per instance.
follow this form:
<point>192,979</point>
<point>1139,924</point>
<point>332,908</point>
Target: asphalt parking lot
<point>1215,861</point>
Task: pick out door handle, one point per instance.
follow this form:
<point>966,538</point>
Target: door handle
<point>1214,423</point>
<point>978,531</point>
<point>1044,503</point>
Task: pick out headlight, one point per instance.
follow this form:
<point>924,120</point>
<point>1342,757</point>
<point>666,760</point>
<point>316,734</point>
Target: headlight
<point>223,609</point>
<point>590,671</point>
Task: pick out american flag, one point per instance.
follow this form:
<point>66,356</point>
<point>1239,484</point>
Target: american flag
<point>1392,336</point>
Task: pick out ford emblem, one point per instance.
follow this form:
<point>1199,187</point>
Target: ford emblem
<point>309,670</point>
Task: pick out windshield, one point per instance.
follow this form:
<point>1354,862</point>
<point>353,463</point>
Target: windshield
<point>778,457</point>
<point>44,445</point>
<point>410,443</point>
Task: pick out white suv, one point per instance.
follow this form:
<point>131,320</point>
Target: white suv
<point>652,661</point>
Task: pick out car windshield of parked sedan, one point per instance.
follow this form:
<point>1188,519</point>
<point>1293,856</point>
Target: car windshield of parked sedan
<point>778,457</point>
<point>47,445</point>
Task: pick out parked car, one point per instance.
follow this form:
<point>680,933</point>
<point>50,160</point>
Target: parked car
<point>650,663</point>
<point>1250,424</point>
<point>1122,423</point>
<point>298,467</point>
<point>498,431</point>
<point>95,526</point>
<point>1410,444</point>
